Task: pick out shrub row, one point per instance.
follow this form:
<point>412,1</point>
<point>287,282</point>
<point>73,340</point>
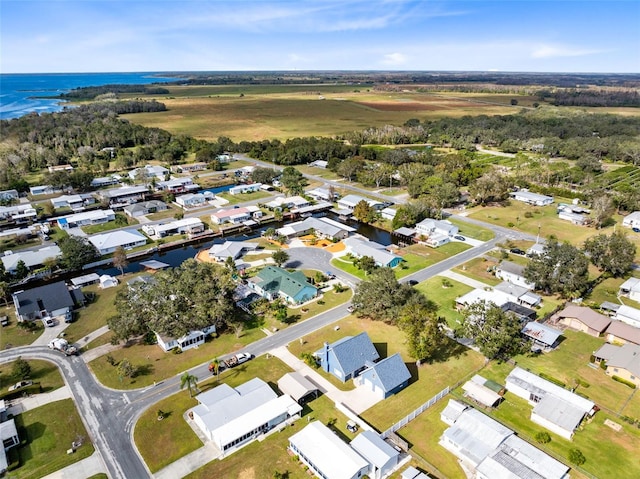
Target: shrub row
<point>624,381</point>
<point>555,381</point>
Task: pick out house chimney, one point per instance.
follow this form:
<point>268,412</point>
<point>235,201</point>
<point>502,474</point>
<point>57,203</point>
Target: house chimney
<point>326,356</point>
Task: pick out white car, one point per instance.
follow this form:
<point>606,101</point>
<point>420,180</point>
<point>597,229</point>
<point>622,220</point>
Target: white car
<point>49,322</point>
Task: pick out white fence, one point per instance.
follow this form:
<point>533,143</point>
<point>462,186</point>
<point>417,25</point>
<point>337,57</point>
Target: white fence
<point>414,414</point>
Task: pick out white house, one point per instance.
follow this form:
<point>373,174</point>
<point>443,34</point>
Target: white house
<point>628,315</point>
<point>103,181</point>
<point>388,213</point>
<point>236,215</point>
<point>107,243</point>
<point>631,288</point>
<point>123,196</point>
<point>189,168</point>
<point>326,455</point>
<point>531,198</point>
<point>555,408</point>
<point>513,273</point>
<point>195,200</point>
<point>231,249</point>
<point>382,457</point>
<point>9,195</point>
<point>107,281</point>
<point>31,259</point>
<point>232,417</point>
<point>290,202</point>
<point>360,247</point>
<point>192,339</point>
<point>177,185</point>
<point>41,190</point>
<point>18,212</point>
<point>86,218</point>
<point>144,208</point>
<point>429,226</point>
<point>322,194</point>
<point>577,219</point>
<point>75,202</point>
<point>632,220</point>
<point>322,227</point>
<point>189,226</point>
<point>350,201</point>
<point>239,189</point>
<point>149,171</point>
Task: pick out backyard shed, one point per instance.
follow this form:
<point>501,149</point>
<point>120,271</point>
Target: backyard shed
<point>298,387</point>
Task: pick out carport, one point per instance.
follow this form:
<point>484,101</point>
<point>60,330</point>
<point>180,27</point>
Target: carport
<point>298,387</point>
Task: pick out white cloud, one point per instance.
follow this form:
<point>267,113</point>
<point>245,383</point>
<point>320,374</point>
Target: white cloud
<point>394,59</point>
<point>554,51</point>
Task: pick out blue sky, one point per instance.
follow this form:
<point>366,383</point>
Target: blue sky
<point>189,35</point>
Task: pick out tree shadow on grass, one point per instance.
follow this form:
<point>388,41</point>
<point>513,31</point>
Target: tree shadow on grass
<point>144,370</point>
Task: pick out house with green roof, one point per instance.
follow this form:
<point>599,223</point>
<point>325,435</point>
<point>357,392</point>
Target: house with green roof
<point>273,282</point>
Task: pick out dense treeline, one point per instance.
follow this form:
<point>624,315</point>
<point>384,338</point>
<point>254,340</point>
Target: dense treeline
<point>91,92</point>
<point>594,98</point>
<point>297,151</point>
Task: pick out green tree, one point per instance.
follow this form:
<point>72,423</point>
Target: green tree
<point>264,175</point>
<point>490,187</point>
<point>214,367</point>
<point>21,369</point>
<point>423,328</point>
<point>495,332</point>
<point>190,381</point>
<point>602,209</point>
<point>230,264</point>
<point>4,290</point>
<point>280,257</point>
<point>613,254</point>
<point>120,259</point>
<point>125,369</point>
<point>76,252</point>
<point>366,264</point>
<point>350,167</point>
<point>562,268</point>
<point>364,212</point>
<point>576,457</point>
<point>192,296</point>
<point>381,297</point>
<point>21,270</point>
<point>293,180</point>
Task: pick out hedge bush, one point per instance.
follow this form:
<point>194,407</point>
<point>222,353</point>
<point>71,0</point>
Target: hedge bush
<point>624,381</point>
<point>555,381</point>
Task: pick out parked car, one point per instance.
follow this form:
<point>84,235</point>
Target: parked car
<point>20,385</point>
<point>49,322</point>
<point>352,426</point>
<point>412,282</point>
<point>636,230</point>
<point>517,251</point>
<point>351,308</point>
<point>460,238</point>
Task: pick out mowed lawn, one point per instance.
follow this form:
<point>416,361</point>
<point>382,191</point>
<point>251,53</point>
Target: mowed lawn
<point>46,433</point>
<point>444,297</point>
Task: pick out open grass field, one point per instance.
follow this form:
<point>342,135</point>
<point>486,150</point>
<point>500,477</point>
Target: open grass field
<point>46,434</point>
<point>14,335</point>
<point>445,297</point>
<point>43,372</point>
<point>266,112</point>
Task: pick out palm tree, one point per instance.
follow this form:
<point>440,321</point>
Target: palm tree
<point>190,381</point>
<point>214,367</point>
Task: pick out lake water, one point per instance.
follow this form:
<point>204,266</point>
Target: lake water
<point>18,90</point>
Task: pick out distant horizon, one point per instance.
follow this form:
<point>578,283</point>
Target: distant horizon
<point>139,72</point>
<point>97,36</point>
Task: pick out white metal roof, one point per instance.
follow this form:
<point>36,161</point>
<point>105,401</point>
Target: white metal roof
<point>296,385</point>
<point>481,393</point>
<point>30,258</point>
<point>113,239</point>
<point>373,448</point>
<point>332,456</point>
<point>559,412</point>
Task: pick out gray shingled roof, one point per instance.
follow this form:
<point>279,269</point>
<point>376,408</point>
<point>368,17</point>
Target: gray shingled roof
<point>391,371</point>
<point>50,297</point>
<point>353,352</point>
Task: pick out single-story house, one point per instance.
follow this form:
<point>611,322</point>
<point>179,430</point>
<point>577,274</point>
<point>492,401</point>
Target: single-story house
<point>319,164</point>
<point>85,279</point>
<point>622,333</point>
<point>107,281</point>
<point>350,201</point>
<point>177,185</point>
<point>189,168</point>
<point>48,301</point>
<point>555,408</point>
<point>10,438</point>
<point>322,227</point>
<point>543,336</point>
<point>386,377</point>
<point>233,417</point>
<point>231,249</point>
<point>347,357</point>
<point>145,208</point>
<point>429,226</point>
<point>272,282</point>
<point>42,190</point>
<point>188,226</point>
<point>86,218</point>
<point>632,220</point>
<point>298,387</point>
<point>123,196</point>
<point>628,315</point>
<point>493,451</point>
<point>290,202</point>
<point>104,181</point>
<point>631,288</point>
<point>9,195</point>
<point>18,212</point>
<point>488,296</point>
<point>388,213</point>
<point>622,361</point>
<point>382,457</point>
<point>323,194</point>
<point>575,218</point>
<point>55,168</point>
<point>519,294</point>
<point>583,319</point>
<point>149,171</point>
<point>31,259</point>
<point>513,273</point>
<point>194,200</point>
<point>75,202</point>
<point>531,198</point>
<point>236,215</point>
<point>239,189</point>
<point>192,339</point>
<point>107,243</point>
<point>360,247</point>
<point>326,455</point>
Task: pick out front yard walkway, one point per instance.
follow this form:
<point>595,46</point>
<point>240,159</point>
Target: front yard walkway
<point>88,467</point>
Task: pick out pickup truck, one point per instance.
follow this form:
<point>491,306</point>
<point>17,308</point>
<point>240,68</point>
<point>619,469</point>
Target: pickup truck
<point>20,385</point>
<point>233,361</point>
